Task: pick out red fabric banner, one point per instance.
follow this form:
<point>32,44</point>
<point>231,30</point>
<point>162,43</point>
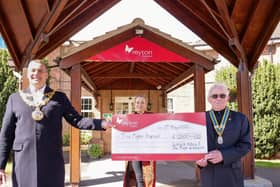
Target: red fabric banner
<point>138,49</point>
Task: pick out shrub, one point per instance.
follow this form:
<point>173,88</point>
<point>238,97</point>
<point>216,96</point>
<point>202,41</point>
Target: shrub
<point>95,151</point>
<point>8,82</point>
<point>85,138</point>
<point>66,139</point>
<point>266,104</point>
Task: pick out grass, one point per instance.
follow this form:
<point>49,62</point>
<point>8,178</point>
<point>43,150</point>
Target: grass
<point>267,163</point>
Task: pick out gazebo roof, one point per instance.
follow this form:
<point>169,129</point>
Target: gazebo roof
<point>238,30</point>
<point>107,64</point>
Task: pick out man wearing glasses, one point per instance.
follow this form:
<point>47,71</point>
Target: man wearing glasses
<point>228,136</point>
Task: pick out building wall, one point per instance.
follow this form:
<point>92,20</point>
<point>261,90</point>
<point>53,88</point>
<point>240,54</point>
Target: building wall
<point>271,52</point>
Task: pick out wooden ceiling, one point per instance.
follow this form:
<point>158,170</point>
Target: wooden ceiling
<point>237,29</point>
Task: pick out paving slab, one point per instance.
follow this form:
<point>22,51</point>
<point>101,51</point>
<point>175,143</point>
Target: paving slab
<point>107,173</point>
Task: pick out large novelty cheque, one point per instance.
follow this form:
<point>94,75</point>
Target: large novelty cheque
<point>159,136</point>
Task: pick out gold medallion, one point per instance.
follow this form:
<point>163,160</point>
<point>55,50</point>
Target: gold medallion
<point>37,114</point>
<point>220,140</point>
<point>219,128</point>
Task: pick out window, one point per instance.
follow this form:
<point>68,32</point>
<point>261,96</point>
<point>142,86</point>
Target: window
<point>170,105</point>
<point>124,105</point>
<point>87,106</point>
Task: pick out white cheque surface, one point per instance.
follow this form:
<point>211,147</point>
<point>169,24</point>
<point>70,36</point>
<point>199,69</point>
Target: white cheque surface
<point>163,137</point>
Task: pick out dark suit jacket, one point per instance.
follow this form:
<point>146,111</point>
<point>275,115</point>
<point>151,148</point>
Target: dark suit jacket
<point>237,142</point>
<point>37,145</point>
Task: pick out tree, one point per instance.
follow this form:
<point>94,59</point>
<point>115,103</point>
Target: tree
<point>266,105</point>
<point>8,83</point>
<point>227,75</point>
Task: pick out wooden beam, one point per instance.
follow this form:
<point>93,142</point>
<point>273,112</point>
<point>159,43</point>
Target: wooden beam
<point>75,25</point>
<point>244,99</point>
<point>176,67</point>
<point>75,133</point>
<point>104,68</point>
<point>10,41</point>
<point>88,81</point>
<point>219,43</point>
<point>196,9</point>
<point>130,76</point>
<point>180,85</point>
<point>230,30</point>
<point>96,67</point>
<point>41,33</point>
<point>24,82</point>
<point>15,39</point>
<point>166,68</point>
<point>271,23</point>
<point>66,18</point>
<point>25,19</point>
<point>247,32</point>
<point>147,67</point>
<point>132,67</point>
<point>54,13</point>
<point>188,74</point>
<point>199,89</point>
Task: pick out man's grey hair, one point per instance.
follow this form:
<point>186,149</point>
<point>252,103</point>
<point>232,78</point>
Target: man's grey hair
<point>38,61</point>
<point>218,85</point>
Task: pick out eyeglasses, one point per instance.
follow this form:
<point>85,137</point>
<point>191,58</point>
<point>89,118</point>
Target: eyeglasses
<point>215,96</point>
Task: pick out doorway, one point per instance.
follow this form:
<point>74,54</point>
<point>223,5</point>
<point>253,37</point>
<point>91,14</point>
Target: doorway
<point>124,105</point>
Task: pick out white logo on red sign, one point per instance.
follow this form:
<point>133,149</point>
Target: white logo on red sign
<point>141,53</point>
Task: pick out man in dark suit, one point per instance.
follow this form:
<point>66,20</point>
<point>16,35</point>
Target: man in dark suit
<point>228,136</point>
<point>32,129</point>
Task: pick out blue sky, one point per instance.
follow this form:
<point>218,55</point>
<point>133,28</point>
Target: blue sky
<point>2,43</point>
<point>126,11</point>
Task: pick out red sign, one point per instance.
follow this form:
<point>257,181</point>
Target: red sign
<point>166,136</point>
<point>138,49</point>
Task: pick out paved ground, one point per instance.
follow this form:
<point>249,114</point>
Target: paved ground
<point>108,173</point>
<point>272,174</point>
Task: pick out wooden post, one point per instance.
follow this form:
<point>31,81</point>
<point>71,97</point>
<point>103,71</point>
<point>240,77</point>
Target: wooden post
<point>199,89</point>
<point>244,98</point>
<point>24,81</point>
<point>75,133</point>
<point>199,98</point>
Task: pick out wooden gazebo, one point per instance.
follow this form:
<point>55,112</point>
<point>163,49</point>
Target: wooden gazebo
<point>99,72</point>
<point>238,30</point>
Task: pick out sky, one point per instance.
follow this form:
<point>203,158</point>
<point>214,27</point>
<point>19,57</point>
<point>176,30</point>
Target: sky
<point>126,11</point>
<point>2,43</point>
